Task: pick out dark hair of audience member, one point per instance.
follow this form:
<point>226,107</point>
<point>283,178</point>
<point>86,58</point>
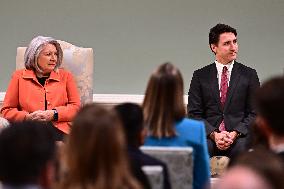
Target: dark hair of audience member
<point>264,163</point>
<point>269,101</point>
<point>256,137</point>
<point>25,148</point>
<point>163,103</point>
<point>132,119</point>
<point>96,152</point>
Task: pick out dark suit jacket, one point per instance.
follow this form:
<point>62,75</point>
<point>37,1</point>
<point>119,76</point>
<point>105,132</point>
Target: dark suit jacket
<point>139,159</point>
<point>204,98</point>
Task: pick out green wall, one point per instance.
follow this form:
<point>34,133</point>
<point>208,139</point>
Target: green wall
<point>132,37</point>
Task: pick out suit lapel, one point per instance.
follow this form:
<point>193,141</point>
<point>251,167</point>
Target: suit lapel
<point>235,76</point>
<point>213,80</point>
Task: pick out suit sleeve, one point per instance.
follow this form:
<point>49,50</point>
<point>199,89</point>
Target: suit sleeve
<point>250,112</point>
<point>195,106</point>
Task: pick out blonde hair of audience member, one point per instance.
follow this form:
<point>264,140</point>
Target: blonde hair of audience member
<point>96,152</point>
<point>259,169</point>
<point>163,103</point>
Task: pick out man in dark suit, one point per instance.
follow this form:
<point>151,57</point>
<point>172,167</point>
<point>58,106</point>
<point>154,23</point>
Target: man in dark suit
<point>131,116</point>
<point>270,107</point>
<point>220,94</point>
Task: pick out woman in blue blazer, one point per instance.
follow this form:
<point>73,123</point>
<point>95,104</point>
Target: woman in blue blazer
<point>164,113</point>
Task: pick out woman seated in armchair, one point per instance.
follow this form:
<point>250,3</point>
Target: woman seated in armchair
<point>42,91</point>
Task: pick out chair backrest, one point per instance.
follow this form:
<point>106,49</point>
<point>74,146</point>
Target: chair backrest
<point>154,175</point>
<point>79,61</point>
<point>179,162</point>
<point>218,165</point>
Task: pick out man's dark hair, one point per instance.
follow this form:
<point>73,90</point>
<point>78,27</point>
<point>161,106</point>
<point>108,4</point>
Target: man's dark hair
<point>25,149</point>
<point>131,116</point>
<point>216,31</point>
<point>270,103</point>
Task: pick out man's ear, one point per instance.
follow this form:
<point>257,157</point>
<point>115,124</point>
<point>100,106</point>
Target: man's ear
<point>213,48</point>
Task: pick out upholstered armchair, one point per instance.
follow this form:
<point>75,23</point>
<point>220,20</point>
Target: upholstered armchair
<point>218,165</point>
<point>79,61</point>
<point>154,175</point>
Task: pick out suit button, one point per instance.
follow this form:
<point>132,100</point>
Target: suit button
<point>48,102</point>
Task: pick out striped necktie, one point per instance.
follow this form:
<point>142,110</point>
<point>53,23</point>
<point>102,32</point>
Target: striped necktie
<point>223,91</point>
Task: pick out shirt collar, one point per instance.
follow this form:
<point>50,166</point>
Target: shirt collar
<point>220,66</point>
<point>30,74</point>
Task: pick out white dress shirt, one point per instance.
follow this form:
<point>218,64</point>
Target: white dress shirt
<point>219,67</point>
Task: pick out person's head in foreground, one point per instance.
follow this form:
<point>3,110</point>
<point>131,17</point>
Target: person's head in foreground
<point>96,151</point>
<point>259,169</point>
<point>163,103</point>
<point>27,155</point>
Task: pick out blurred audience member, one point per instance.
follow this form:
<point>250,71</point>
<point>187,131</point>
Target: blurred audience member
<point>96,152</point>
<point>256,138</point>
<point>270,120</point>
<point>259,169</point>
<point>42,91</point>
<point>27,155</point>
<point>131,116</point>
<point>164,113</point>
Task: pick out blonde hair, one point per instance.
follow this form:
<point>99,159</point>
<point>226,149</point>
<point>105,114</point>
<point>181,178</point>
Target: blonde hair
<point>35,47</point>
<point>96,152</point>
<point>163,103</point>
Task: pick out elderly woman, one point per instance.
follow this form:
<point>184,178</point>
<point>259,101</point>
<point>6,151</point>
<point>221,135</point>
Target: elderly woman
<point>42,91</point>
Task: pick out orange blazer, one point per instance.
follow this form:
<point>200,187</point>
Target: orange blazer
<point>26,95</point>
